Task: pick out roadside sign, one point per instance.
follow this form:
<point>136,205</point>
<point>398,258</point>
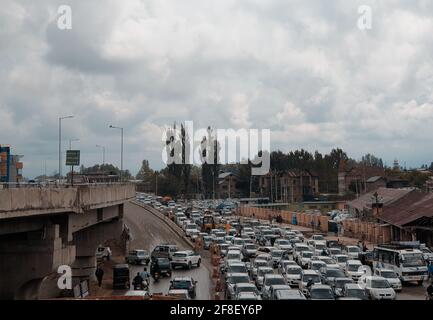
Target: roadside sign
<point>72,157</point>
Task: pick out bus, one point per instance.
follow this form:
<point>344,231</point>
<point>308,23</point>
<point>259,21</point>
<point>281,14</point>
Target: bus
<point>407,261</point>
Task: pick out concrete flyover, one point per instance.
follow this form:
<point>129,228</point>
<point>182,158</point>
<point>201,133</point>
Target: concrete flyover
<point>43,228</point>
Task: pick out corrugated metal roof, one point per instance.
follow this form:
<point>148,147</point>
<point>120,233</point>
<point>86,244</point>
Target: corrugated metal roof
<point>409,208</point>
<point>386,196</point>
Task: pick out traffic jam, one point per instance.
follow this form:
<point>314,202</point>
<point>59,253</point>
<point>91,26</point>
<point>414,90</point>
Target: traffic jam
<point>265,260</point>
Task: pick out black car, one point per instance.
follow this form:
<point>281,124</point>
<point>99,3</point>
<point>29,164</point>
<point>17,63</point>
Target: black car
<point>184,283</point>
<point>121,276</point>
<point>162,265</point>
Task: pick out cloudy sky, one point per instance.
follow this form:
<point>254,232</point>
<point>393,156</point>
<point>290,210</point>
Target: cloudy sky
<point>301,68</point>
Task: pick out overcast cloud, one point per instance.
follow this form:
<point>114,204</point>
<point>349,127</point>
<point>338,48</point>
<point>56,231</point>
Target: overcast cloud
<point>301,68</point>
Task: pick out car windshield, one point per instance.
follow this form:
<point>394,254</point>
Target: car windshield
<point>239,279</point>
<point>320,246</point>
<point>357,293</point>
<point>321,293</point>
<point>260,263</point>
<point>334,273</point>
<point>233,256</point>
<point>250,246</point>
<point>413,260</point>
<point>262,272</point>
<point>247,289</point>
<point>341,259</point>
<point>237,269</point>
<point>283,242</point>
<point>353,249</point>
<point>273,281</point>
<point>308,277</point>
<point>180,255</point>
<point>341,283</point>
<point>294,271</point>
<point>328,260</point>
<point>380,284</point>
<point>388,274</point>
<point>181,284</point>
<point>353,267</point>
<point>307,254</point>
<point>239,241</point>
<point>277,254</point>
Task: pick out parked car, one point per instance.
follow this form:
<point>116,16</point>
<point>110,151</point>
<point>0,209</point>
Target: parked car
<point>321,292</point>
<point>292,294</point>
<point>185,259</point>
<point>164,251</point>
<point>391,276</point>
<point>271,280</point>
<point>245,287</point>
<point>249,250</point>
<point>339,284</point>
<point>138,257</point>
<point>330,274</point>
<point>185,283</point>
<point>121,276</point>
<point>293,275</point>
<point>353,252</point>
<point>261,272</point>
<point>308,275</point>
<point>378,288</point>
<point>246,296</point>
<point>353,291</point>
<point>181,294</point>
<point>353,269</point>
<point>275,288</point>
<point>232,280</point>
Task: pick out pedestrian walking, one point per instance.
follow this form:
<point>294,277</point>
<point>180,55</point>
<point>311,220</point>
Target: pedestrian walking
<point>99,273</point>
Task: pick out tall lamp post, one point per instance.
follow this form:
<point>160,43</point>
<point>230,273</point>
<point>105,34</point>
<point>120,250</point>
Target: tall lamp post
<point>121,149</point>
<point>103,153</point>
<point>60,143</point>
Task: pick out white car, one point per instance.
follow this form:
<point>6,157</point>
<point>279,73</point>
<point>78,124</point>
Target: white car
<point>185,259</point>
<point>297,249</point>
<point>234,255</point>
<point>341,259</point>
<point>353,252</point>
<point>305,258</point>
<point>353,269</point>
<point>308,275</point>
<point>283,244</point>
<point>378,288</point>
<point>261,272</point>
<point>269,280</point>
<point>319,246</point>
<point>293,275</point>
<point>391,276</point>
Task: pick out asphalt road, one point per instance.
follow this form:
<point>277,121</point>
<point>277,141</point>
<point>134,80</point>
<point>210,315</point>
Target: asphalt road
<point>147,232</point>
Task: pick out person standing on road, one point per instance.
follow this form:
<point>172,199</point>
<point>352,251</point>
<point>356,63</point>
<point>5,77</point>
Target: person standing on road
<point>99,273</point>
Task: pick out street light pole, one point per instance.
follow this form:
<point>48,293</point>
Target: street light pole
<point>121,149</point>
<point>60,144</point>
